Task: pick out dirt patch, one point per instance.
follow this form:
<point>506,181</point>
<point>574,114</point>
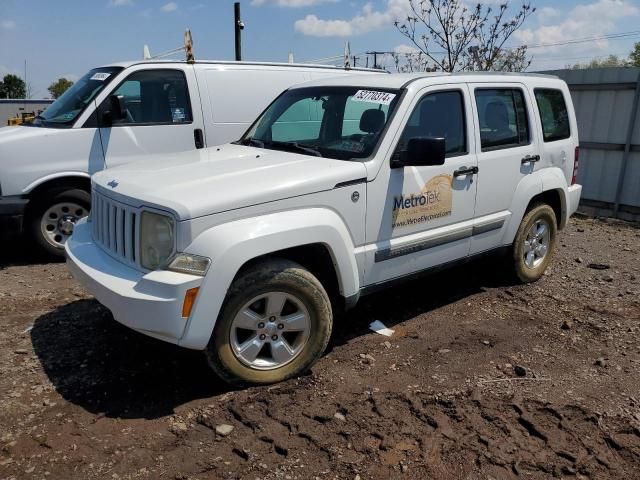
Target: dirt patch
<point>482,379</point>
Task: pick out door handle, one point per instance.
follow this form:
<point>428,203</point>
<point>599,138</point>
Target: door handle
<point>530,159</point>
<point>465,171</point>
<point>198,138</point>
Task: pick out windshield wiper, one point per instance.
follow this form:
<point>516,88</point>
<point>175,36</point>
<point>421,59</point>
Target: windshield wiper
<point>250,141</point>
<point>299,147</point>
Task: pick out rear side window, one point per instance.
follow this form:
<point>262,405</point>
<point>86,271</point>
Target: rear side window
<point>553,114</point>
<point>438,115</point>
<point>502,117</point>
<point>154,97</point>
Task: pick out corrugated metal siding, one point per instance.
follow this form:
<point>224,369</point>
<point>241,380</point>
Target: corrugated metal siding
<point>603,99</point>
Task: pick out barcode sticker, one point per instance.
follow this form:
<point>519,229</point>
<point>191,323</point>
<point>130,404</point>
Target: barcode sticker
<point>371,96</point>
<point>102,76</point>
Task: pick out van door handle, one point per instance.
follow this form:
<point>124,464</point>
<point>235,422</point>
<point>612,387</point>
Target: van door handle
<point>465,171</point>
<point>198,138</point>
<point>530,159</point>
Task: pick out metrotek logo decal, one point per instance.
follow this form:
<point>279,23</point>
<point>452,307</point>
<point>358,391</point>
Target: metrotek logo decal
<point>432,202</point>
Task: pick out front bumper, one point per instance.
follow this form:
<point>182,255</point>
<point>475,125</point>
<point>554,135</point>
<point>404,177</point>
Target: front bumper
<point>150,303</point>
<point>12,206</point>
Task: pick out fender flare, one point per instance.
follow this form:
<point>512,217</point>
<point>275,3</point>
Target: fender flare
<point>54,176</point>
<point>541,181</point>
<point>554,179</point>
<point>527,188</point>
<point>231,245</point>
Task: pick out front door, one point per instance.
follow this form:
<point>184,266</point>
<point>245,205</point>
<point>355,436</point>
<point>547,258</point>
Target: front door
<point>163,115</point>
<point>420,217</point>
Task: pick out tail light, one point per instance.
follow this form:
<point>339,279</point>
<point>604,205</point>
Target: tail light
<point>574,177</point>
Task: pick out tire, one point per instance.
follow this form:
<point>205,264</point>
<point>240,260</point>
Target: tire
<point>532,249</point>
<point>53,215</point>
<point>268,283</point>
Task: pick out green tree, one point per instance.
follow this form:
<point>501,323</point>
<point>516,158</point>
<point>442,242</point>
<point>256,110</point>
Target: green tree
<point>58,87</point>
<point>607,62</point>
<point>12,86</point>
<point>634,56</point>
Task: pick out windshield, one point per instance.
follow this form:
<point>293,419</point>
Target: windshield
<point>71,103</point>
<point>343,123</point>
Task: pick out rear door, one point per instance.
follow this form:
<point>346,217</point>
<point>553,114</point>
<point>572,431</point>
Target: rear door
<point>508,152</point>
<point>163,114</point>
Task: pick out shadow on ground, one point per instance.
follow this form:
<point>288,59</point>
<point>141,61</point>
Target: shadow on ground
<point>17,250</point>
<point>106,368</point>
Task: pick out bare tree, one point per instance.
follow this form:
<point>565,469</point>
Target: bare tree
<point>452,36</point>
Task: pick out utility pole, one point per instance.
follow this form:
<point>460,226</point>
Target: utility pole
<point>238,27</point>
<point>375,58</point>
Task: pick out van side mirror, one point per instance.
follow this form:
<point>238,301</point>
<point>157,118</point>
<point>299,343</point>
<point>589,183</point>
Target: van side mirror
<point>117,111</point>
<point>423,151</point>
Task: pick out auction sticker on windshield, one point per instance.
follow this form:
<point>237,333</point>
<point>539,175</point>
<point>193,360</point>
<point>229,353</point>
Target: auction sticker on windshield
<point>383,98</point>
<point>102,76</point>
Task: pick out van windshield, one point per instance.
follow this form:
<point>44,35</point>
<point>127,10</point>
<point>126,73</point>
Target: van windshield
<point>64,111</point>
<point>344,123</point>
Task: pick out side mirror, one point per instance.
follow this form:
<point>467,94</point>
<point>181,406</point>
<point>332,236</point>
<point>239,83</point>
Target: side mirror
<point>117,111</point>
<point>423,151</point>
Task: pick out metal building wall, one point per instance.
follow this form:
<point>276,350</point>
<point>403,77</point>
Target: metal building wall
<point>10,108</point>
<point>606,103</point>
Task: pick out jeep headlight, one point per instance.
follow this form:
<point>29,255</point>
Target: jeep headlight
<point>156,239</point>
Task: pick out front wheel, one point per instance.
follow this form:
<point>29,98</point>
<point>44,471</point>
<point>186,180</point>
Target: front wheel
<point>534,244</point>
<point>54,215</point>
<point>275,323</point>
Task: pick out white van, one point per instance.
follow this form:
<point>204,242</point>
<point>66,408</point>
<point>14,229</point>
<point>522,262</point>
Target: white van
<point>117,112</point>
<point>246,250</point>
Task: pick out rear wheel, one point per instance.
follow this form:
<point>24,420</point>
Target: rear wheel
<point>534,244</point>
<point>275,323</point>
<point>54,216</point>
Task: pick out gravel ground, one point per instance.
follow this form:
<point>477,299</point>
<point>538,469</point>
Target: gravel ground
<point>482,379</point>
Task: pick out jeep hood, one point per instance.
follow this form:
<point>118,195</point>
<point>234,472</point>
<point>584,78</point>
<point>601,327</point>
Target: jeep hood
<point>203,182</point>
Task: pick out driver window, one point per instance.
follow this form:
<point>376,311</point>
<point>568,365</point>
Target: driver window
<point>154,97</point>
<point>438,115</point>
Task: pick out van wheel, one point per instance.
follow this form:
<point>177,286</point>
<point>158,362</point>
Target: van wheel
<point>54,215</point>
<point>534,244</point>
<point>274,324</point>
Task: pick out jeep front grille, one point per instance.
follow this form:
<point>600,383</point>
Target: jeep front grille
<point>115,227</point>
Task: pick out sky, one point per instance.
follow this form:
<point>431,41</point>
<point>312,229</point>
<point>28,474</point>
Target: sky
<point>68,37</point>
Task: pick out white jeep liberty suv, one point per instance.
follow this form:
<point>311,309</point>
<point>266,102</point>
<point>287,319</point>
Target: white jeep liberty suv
<point>340,187</point>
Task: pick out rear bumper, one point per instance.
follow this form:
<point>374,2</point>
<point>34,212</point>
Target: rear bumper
<point>150,303</point>
<point>574,193</point>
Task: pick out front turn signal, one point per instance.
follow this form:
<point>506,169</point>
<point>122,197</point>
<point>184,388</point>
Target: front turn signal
<point>189,301</point>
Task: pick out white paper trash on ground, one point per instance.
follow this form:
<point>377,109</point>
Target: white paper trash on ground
<point>380,328</point>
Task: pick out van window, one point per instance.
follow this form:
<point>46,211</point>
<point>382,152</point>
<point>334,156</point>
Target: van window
<point>553,114</point>
<point>502,117</point>
<point>438,115</point>
<point>301,121</point>
<point>154,97</point>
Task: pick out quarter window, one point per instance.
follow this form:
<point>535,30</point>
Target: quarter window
<point>154,97</point>
<point>502,117</point>
<point>438,115</point>
<point>553,114</point>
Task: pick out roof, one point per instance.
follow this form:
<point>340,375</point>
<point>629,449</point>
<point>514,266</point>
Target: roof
<point>400,80</point>
<point>229,62</point>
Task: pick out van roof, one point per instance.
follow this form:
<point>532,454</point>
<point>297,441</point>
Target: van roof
<point>400,80</point>
<point>229,62</point>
